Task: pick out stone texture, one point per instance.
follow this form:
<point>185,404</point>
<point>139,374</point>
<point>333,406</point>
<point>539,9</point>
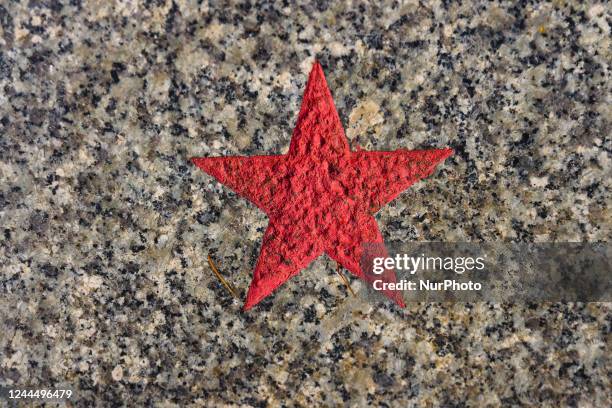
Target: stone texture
<point>106,225</point>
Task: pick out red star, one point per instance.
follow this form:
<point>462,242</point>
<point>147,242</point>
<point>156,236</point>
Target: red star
<point>320,196</point>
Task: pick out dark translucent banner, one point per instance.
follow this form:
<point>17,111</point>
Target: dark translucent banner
<point>493,272</point>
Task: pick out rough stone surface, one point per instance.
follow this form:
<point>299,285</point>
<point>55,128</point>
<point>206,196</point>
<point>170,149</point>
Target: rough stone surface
<point>106,225</point>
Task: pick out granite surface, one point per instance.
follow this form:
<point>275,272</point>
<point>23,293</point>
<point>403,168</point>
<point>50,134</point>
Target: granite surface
<point>106,225</point>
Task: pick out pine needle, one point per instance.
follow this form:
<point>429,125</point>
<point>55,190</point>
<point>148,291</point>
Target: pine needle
<point>221,278</point>
<point>346,282</point>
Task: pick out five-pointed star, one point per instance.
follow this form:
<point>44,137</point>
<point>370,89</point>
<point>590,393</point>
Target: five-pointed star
<point>320,196</point>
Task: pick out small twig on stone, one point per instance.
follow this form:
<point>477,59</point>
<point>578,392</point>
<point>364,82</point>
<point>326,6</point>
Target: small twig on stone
<point>221,278</point>
<point>346,282</point>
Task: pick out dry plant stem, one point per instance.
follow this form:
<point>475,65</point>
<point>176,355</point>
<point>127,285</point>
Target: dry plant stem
<point>346,282</point>
<point>221,278</point>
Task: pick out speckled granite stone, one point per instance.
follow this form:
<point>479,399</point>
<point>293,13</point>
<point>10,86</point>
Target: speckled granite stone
<point>106,226</point>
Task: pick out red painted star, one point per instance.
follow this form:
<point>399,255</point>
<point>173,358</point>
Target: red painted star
<point>320,196</point>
